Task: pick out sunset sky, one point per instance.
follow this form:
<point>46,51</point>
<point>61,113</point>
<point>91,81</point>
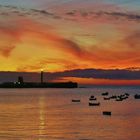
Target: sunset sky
<point>72,35</point>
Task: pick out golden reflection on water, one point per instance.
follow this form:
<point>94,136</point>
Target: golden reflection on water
<point>52,116</point>
<point>42,117</point>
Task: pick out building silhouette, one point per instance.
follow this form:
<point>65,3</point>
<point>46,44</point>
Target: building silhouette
<point>20,80</point>
<point>20,83</point>
<point>42,77</point>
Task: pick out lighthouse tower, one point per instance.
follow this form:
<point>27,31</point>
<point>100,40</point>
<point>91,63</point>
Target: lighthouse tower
<point>42,77</point>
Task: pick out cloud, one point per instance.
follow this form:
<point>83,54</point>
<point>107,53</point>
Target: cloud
<point>24,12</point>
<point>108,74</point>
<point>44,12</point>
<point>98,11</point>
<point>114,15</point>
<point>128,16</point>
<point>26,26</point>
<point>6,50</point>
<point>114,74</point>
<point>133,68</point>
<point>30,30</point>
<point>46,63</point>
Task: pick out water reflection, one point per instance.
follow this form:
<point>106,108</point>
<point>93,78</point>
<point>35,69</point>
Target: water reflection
<point>46,114</point>
<point>42,117</point>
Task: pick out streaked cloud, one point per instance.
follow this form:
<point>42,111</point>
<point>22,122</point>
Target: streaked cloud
<point>19,11</point>
<point>88,37</point>
<point>116,74</point>
<point>114,15</point>
<point>106,74</point>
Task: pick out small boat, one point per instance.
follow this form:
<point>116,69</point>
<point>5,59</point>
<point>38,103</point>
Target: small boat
<point>92,98</point>
<point>106,98</point>
<point>94,104</point>
<point>75,100</point>
<point>124,97</point>
<point>113,97</point>
<point>119,99</point>
<point>107,113</point>
<point>136,96</point>
<point>105,94</point>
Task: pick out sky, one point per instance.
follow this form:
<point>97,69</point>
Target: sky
<point>61,36</point>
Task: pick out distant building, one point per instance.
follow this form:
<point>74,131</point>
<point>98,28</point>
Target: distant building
<point>21,84</point>
<point>42,77</point>
<point>20,80</point>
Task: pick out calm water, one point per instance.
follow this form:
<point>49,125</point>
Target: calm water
<point>49,114</point>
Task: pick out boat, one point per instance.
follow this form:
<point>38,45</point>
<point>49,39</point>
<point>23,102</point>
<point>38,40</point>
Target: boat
<point>75,100</point>
<point>105,94</point>
<point>113,97</point>
<point>91,99</point>
<point>107,113</point>
<point>94,104</point>
<point>136,96</point>
<point>124,97</point>
<point>106,98</point>
<point>92,96</point>
<point>119,99</point>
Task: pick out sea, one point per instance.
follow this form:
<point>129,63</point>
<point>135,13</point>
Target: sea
<point>50,114</point>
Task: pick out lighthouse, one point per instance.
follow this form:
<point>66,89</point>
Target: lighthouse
<point>41,77</point>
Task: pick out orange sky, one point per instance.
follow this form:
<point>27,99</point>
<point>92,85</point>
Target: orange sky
<point>68,39</point>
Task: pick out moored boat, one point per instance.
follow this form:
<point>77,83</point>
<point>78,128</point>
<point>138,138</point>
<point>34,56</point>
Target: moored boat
<point>92,96</point>
<point>107,113</point>
<point>94,104</point>
<point>106,98</point>
<point>113,97</point>
<point>91,99</point>
<point>119,99</point>
<point>75,100</point>
<point>124,97</point>
<point>105,94</point>
<point>136,96</point>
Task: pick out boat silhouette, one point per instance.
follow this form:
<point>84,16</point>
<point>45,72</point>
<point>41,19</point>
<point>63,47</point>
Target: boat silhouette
<point>75,100</point>
<point>94,104</point>
<point>105,94</point>
<point>107,113</point>
<point>136,96</point>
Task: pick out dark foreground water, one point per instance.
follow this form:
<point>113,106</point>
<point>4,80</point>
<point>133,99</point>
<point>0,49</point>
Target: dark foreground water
<point>49,114</point>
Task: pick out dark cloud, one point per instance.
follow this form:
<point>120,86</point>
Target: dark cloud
<point>74,13</point>
<point>71,46</point>
<point>112,74</point>
<point>117,15</point>
<point>44,12</point>
<point>8,10</point>
<point>121,15</point>
<point>133,68</point>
